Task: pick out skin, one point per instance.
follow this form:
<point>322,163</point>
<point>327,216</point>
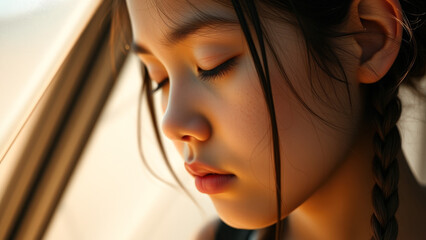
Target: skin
<point>224,123</point>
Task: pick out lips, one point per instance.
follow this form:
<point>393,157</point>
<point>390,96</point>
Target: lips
<point>208,179</point>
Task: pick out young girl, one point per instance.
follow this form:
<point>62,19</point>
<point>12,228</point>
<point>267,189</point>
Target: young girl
<point>285,111</point>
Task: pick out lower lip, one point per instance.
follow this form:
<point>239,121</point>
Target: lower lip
<point>213,183</point>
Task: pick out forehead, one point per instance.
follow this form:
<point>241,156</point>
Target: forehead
<point>154,20</point>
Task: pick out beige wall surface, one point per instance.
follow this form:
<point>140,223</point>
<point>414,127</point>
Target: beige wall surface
<point>35,37</point>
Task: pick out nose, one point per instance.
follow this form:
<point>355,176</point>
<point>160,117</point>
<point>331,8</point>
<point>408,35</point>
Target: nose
<point>184,118</point>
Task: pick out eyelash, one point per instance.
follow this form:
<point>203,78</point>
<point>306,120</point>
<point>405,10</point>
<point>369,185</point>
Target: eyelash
<point>207,75</point>
<point>218,71</point>
<point>160,85</point>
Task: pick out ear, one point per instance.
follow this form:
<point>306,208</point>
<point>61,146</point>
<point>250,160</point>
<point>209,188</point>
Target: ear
<point>380,39</point>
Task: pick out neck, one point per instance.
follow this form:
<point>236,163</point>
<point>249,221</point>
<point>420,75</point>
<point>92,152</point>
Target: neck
<point>341,208</point>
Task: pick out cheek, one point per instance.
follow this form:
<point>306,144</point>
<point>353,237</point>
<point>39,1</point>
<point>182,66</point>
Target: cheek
<point>311,147</point>
<point>241,132</point>
<point>243,122</point>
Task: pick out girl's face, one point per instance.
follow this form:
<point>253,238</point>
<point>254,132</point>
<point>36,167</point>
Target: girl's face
<point>215,112</point>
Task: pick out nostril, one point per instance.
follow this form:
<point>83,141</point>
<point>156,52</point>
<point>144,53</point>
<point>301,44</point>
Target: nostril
<point>185,138</point>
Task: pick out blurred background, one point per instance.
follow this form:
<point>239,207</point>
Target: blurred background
<point>112,195</point>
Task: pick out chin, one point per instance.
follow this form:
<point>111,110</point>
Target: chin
<point>246,219</point>
<point>247,223</point>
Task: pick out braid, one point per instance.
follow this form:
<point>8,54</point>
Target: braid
<point>387,145</point>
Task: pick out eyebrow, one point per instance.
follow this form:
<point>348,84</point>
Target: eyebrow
<point>188,28</point>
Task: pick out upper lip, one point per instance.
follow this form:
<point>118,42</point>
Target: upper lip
<point>200,169</point>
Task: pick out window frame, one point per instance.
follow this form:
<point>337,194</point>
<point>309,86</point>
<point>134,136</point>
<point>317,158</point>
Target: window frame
<point>64,120</point>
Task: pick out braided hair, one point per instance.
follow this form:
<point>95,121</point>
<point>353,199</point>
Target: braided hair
<point>386,145</point>
<point>409,66</point>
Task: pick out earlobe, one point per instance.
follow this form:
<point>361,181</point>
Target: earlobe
<point>380,37</point>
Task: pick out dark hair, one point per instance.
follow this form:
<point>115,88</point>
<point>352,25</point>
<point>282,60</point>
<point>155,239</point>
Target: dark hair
<point>317,21</point>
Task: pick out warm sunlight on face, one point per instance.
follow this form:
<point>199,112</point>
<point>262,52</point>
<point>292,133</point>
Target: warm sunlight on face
<point>214,108</point>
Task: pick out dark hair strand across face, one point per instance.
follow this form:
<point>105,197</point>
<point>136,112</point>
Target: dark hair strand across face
<point>263,73</point>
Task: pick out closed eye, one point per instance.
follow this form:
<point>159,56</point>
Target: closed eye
<point>206,75</point>
<point>218,71</point>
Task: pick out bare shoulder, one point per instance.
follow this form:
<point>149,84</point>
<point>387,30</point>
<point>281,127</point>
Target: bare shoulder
<point>208,231</point>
